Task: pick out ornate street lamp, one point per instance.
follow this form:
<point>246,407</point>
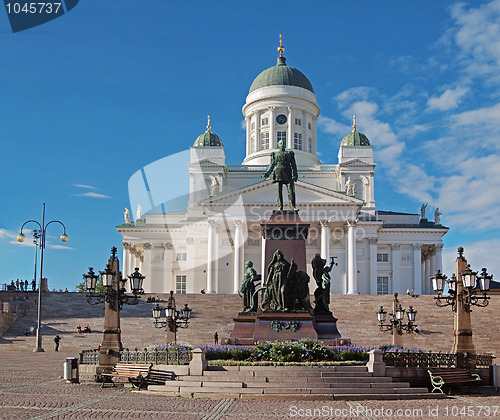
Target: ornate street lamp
<point>463,293</point>
<point>469,295</point>
<point>114,297</point>
<point>396,322</point>
<point>40,234</point>
<point>175,319</point>
<point>111,295</point>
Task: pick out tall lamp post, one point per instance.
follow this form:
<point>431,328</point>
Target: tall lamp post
<point>396,321</point>
<point>175,318</point>
<point>41,234</point>
<point>113,297</point>
<point>463,294</point>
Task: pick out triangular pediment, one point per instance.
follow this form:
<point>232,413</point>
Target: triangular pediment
<point>357,163</point>
<point>264,193</point>
<point>206,163</point>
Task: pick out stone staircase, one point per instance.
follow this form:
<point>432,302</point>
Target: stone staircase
<point>292,383</point>
<point>62,312</point>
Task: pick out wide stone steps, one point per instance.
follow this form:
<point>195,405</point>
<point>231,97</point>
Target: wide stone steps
<point>311,383</point>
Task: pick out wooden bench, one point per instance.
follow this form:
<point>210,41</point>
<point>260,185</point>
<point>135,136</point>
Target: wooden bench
<point>447,376</point>
<point>139,375</point>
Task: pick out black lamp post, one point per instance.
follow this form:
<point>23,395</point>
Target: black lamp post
<point>40,234</point>
<point>113,297</point>
<point>175,318</point>
<point>465,289</point>
<point>396,321</point>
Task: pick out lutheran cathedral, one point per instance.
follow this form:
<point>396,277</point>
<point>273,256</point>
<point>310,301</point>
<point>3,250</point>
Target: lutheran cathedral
<point>205,247</point>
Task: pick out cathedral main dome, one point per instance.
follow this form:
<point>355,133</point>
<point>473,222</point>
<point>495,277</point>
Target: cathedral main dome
<point>280,75</point>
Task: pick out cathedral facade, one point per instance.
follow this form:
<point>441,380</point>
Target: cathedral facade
<point>204,247</point>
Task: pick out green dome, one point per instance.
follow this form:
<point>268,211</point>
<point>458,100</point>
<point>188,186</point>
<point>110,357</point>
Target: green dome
<point>355,138</point>
<point>208,139</point>
<point>281,75</point>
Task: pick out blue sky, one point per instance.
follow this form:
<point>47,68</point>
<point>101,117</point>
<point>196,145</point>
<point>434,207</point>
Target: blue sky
<point>92,97</point>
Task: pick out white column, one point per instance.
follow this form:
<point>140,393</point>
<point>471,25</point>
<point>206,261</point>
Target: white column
<point>146,268</point>
<point>373,265</point>
<point>427,274</point>
<point>168,276</point>
<point>305,140</point>
<point>238,254</point>
<point>439,257</point>
<point>125,266</point>
<point>289,140</point>
<point>352,269</point>
<point>396,268</point>
<point>422,265</point>
<point>249,145</point>
<point>417,269</point>
<point>212,252</point>
<point>272,119</point>
<point>325,240</point>
<point>432,268</point>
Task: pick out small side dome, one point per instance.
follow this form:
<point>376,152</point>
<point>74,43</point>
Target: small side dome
<point>355,138</point>
<point>208,139</point>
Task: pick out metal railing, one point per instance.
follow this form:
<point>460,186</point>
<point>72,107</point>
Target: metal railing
<point>157,357</point>
<point>430,359</point>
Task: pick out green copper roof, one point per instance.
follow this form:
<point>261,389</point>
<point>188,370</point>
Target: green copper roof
<point>207,139</point>
<point>355,138</point>
<point>280,75</point>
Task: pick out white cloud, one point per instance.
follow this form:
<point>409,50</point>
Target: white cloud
<point>477,35</point>
<point>449,99</point>
<point>93,195</point>
<point>90,187</point>
<point>331,126</point>
<point>58,246</point>
<point>360,93</point>
<point>243,125</point>
<point>4,233</point>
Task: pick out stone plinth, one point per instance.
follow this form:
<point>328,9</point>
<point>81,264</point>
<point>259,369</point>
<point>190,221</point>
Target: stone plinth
<point>285,230</point>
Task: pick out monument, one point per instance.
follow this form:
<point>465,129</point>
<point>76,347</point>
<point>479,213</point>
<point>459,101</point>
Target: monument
<point>285,311</point>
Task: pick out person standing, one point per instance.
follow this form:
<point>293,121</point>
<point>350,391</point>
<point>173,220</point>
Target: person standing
<point>25,285</point>
<point>57,339</point>
<point>33,284</point>
<point>216,338</point>
<point>17,284</point>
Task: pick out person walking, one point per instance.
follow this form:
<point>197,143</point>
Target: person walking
<point>57,339</point>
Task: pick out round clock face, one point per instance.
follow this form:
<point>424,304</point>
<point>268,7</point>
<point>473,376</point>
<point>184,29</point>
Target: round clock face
<point>281,119</point>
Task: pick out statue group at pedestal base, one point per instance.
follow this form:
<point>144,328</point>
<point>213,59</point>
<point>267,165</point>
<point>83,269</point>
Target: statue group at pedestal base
<point>287,289</point>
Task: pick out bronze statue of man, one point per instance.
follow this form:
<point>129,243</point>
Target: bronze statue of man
<point>285,172</point>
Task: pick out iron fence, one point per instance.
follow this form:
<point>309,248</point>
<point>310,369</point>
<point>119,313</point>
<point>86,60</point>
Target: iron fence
<point>158,356</point>
<point>429,359</point>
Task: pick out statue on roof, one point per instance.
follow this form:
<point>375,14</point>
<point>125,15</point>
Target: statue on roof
<point>350,187</point>
<point>138,214</point>
<point>422,211</point>
<point>214,187</point>
<point>285,173</point>
<point>126,215</point>
<point>437,217</point>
